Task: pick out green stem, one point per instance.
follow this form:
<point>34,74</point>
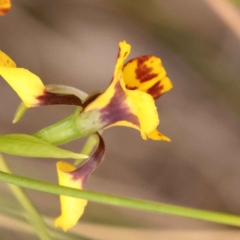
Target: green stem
<point>71,128</point>
<point>121,201</point>
<point>61,132</point>
<point>33,216</point>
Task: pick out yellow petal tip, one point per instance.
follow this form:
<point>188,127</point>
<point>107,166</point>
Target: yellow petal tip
<point>156,135</point>
<point>71,208</point>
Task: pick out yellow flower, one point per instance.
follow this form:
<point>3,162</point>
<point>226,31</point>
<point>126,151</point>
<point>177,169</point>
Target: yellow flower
<point>68,175</point>
<point>29,86</point>
<point>5,6</point>
<point>129,99</point>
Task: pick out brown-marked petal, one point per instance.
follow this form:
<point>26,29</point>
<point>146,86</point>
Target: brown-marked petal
<point>73,208</point>
<point>113,105</point>
<point>5,6</point>
<point>29,86</point>
<point>146,74</point>
<point>119,106</point>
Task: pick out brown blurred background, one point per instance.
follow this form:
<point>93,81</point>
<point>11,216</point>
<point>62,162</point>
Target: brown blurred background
<point>75,43</point>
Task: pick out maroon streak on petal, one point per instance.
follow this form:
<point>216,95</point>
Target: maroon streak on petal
<point>143,73</point>
<point>148,69</point>
<point>125,54</point>
<point>131,88</point>
<point>117,109</point>
<point>49,98</point>
<point>155,90</point>
<point>85,170</point>
<point>141,60</point>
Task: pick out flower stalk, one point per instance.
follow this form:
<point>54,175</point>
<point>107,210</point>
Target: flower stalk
<point>210,216</point>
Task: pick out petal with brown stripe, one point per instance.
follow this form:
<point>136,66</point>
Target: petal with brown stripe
<point>70,176</point>
<point>125,103</point>
<point>146,74</point>
<point>30,87</point>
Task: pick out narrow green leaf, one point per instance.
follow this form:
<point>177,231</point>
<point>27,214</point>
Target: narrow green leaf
<point>30,146</point>
<point>21,110</point>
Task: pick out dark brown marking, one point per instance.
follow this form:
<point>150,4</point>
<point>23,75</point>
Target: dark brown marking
<point>117,109</point>
<point>144,73</point>
<point>141,60</point>
<point>155,90</point>
<point>49,98</point>
<point>85,170</point>
<point>131,88</point>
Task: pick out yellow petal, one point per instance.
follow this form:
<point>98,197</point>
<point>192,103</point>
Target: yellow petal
<point>26,84</point>
<point>104,99</point>
<point>5,6</point>
<point>124,50</point>
<point>143,106</point>
<point>146,74</point>
<point>119,106</point>
<point>71,208</point>
<point>6,61</point>
<point>156,135</point>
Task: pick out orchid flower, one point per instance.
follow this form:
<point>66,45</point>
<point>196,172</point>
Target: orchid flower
<point>128,101</point>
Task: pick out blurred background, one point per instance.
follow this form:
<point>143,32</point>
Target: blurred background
<point>75,42</point>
